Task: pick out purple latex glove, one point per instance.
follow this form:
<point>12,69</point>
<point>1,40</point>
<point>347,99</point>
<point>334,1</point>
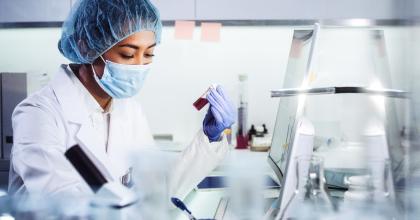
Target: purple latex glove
<point>220,116</point>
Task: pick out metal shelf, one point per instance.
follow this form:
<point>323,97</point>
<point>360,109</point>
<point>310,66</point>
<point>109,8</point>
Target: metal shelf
<point>393,93</point>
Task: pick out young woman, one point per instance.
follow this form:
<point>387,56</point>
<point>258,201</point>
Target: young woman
<point>89,102</point>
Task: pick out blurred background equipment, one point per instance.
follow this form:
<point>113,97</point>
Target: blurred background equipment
<point>356,111</point>
<point>259,138</point>
<point>12,91</point>
<point>242,134</point>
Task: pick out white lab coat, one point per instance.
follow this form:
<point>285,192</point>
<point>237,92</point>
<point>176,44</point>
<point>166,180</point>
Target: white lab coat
<point>52,120</point>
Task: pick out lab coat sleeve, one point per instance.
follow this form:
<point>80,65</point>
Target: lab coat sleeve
<point>197,161</point>
<point>38,152</point>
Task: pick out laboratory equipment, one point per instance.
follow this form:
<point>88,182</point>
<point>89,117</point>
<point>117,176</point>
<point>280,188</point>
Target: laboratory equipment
<point>272,211</point>
<point>200,103</point>
<point>259,139</point>
<point>346,92</point>
<point>251,132</point>
<point>309,199</point>
<point>108,192</point>
<point>379,165</point>
<point>220,182</point>
<point>13,89</point>
<point>370,196</point>
<point>265,129</point>
<point>302,147</point>
<point>228,134</point>
<point>202,100</point>
<point>285,125</point>
<point>180,205</point>
<point>242,134</point>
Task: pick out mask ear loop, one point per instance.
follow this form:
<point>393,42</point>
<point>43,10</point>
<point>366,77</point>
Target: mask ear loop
<point>93,69</point>
<point>102,59</point>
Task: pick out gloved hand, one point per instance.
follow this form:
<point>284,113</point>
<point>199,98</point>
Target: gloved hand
<point>220,116</point>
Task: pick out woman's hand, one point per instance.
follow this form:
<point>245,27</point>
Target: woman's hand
<point>220,116</point>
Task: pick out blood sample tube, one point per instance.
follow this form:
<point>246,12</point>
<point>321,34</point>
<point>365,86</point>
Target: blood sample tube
<point>202,100</point>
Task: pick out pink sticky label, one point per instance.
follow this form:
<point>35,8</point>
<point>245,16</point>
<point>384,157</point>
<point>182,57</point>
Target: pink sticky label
<point>184,30</point>
<point>210,32</point>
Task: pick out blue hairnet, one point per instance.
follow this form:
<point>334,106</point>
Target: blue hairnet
<point>94,26</point>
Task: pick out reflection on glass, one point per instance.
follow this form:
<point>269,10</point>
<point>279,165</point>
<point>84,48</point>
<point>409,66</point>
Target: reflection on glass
<point>340,80</point>
<point>286,117</point>
<point>309,201</point>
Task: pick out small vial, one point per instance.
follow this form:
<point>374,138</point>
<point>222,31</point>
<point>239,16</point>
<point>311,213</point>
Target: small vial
<point>200,103</point>
<point>202,100</point>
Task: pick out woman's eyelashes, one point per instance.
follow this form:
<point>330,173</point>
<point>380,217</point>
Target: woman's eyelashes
<point>127,57</point>
<point>132,56</point>
<point>149,55</point>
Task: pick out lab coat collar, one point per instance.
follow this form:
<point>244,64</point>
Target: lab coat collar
<point>75,111</point>
<point>91,103</point>
<point>68,96</point>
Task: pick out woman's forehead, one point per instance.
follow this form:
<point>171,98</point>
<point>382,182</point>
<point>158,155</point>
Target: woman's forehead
<point>142,38</point>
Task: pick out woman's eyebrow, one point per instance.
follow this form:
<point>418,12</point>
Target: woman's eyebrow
<point>135,46</point>
<point>151,46</point>
<point>130,46</point>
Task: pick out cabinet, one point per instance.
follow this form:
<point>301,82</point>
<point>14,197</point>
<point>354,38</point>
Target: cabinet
<point>370,9</point>
<point>176,9</point>
<point>33,11</point>
<point>13,89</point>
<point>295,9</point>
<point>12,11</point>
<point>57,10</point>
<point>256,10</point>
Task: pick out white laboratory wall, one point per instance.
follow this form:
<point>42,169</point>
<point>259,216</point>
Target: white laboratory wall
<point>182,70</point>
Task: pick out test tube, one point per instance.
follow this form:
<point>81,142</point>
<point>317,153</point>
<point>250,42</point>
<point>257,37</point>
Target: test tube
<point>202,100</point>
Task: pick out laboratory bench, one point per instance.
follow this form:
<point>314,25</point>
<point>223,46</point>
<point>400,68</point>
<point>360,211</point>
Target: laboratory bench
<point>208,204</point>
<point>214,203</point>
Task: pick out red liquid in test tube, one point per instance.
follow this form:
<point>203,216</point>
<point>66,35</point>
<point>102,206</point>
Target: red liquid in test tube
<point>202,101</point>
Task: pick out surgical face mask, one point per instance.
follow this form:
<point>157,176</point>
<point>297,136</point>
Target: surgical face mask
<point>121,80</point>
